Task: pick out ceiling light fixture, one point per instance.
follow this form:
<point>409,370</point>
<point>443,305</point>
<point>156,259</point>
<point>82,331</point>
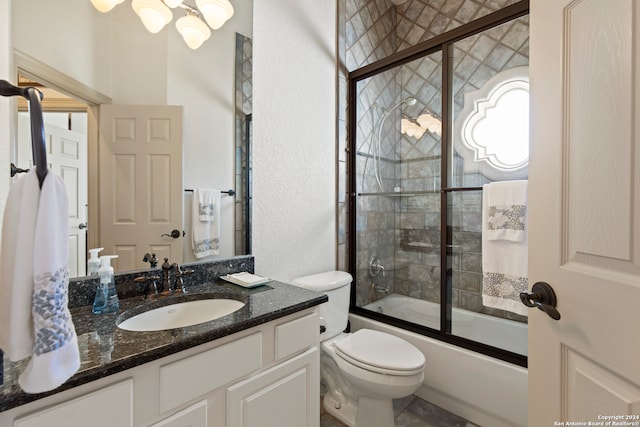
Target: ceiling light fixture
<point>418,126</point>
<point>105,6</point>
<point>155,14</point>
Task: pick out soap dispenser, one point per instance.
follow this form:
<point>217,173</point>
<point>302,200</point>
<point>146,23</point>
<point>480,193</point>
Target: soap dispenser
<point>93,264</point>
<point>106,300</point>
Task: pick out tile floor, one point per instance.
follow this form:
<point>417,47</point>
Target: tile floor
<point>411,412</point>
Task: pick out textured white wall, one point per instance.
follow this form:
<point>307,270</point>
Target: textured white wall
<point>69,36</point>
<point>294,137</point>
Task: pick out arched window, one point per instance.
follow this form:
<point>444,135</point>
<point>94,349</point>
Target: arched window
<point>492,130</point>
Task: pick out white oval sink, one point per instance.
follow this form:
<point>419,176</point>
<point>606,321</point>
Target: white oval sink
<point>180,315</point>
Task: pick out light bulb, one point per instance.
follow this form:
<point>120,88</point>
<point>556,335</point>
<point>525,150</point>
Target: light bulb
<point>215,12</point>
<point>153,13</point>
<point>193,31</point>
<point>173,3</point>
<point>105,6</point>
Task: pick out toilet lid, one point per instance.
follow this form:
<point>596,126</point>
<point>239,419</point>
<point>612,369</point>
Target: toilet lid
<point>380,352</point>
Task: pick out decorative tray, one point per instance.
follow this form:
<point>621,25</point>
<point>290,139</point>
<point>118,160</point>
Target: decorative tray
<point>246,280</point>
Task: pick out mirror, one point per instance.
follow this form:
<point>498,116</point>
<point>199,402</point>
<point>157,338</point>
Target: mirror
<point>194,79</point>
<point>65,121</point>
<point>244,109</point>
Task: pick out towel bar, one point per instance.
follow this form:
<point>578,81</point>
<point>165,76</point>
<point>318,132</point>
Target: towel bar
<point>229,192</point>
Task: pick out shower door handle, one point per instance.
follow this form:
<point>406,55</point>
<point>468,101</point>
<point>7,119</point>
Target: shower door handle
<point>543,297</point>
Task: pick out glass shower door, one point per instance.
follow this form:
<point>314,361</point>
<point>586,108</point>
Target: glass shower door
<point>398,199</point>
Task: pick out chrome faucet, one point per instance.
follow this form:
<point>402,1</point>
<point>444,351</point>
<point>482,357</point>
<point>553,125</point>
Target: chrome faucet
<point>380,289</point>
<point>179,277</point>
<point>375,267</point>
<point>166,275</point>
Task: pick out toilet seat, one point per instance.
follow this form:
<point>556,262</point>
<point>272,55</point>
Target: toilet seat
<point>381,353</point>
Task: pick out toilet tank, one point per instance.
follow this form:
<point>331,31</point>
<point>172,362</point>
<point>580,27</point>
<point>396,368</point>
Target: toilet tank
<point>335,312</point>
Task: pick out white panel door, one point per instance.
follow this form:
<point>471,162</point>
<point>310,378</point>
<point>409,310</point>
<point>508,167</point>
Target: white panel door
<point>140,181</point>
<point>585,211</point>
<point>67,157</point>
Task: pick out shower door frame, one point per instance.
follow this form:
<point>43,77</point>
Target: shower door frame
<point>441,43</point>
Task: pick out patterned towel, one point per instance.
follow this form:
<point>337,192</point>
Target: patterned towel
<point>507,210</point>
<point>208,203</point>
<point>505,265</point>
<point>53,344</point>
<point>206,234</point>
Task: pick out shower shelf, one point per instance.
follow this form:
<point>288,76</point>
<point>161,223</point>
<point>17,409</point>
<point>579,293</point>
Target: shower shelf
<point>399,193</point>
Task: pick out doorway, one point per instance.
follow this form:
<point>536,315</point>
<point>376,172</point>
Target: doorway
<point>65,121</point>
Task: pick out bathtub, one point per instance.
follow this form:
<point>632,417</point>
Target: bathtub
<point>486,391</point>
<point>495,331</point>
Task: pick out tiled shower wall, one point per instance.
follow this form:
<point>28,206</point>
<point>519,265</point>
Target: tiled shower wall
<point>404,232</point>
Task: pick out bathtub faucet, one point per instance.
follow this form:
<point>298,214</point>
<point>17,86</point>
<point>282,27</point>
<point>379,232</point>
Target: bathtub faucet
<point>375,267</point>
<point>380,289</point>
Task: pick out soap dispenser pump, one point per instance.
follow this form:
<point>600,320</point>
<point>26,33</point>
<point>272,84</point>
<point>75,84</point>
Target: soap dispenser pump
<point>106,300</point>
<point>93,264</point>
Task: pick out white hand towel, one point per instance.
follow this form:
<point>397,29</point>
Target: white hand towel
<point>206,234</point>
<point>54,349</point>
<point>208,203</point>
<point>505,268</point>
<point>507,210</point>
<point>16,267</point>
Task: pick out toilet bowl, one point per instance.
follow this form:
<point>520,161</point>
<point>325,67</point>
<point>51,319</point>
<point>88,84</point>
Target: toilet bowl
<point>364,370</point>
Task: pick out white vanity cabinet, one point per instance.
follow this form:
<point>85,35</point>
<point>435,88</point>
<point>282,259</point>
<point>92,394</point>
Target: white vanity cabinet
<point>282,396</point>
<point>193,416</point>
<point>286,395</point>
<point>96,409</point>
<point>265,376</point>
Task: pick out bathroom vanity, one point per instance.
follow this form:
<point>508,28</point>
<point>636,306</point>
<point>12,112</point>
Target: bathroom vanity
<point>258,366</point>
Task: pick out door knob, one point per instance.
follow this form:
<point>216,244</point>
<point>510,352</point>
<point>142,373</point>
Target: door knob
<point>174,233</point>
<point>543,297</point>
<point>82,226</point>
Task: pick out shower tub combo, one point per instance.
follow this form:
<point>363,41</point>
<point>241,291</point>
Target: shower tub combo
<point>420,151</point>
<point>482,389</point>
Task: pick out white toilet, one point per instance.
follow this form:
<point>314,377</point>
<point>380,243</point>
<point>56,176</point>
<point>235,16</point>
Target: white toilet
<point>363,370</point>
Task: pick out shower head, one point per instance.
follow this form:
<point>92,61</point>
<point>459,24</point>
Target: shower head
<point>407,101</point>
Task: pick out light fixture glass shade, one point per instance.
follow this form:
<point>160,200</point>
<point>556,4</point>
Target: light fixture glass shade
<point>173,3</point>
<point>105,6</point>
<point>193,31</point>
<point>153,13</point>
<point>215,12</point>
<point>431,123</point>
<point>404,125</point>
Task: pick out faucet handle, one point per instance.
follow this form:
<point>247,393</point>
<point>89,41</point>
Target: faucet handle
<point>180,272</point>
<point>147,280</point>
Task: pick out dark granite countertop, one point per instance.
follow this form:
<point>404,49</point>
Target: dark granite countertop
<point>106,349</point>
